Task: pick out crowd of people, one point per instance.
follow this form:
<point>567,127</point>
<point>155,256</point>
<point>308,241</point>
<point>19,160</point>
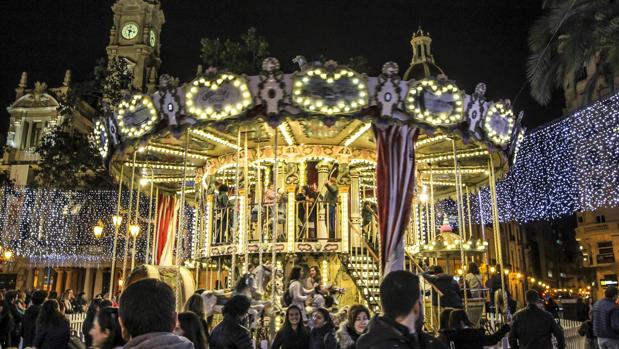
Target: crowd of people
<point>145,317</point>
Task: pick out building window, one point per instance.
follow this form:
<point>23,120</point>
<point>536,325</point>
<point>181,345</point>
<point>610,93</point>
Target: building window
<point>605,252</point>
<point>579,219</point>
<point>601,218</point>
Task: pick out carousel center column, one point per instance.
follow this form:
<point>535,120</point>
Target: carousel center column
<point>323,173</point>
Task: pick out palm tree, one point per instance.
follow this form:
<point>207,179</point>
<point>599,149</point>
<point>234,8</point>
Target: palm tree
<point>571,34</point>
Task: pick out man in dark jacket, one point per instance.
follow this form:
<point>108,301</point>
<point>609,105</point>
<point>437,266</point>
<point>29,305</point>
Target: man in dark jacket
<point>448,287</point>
<point>11,299</point>
<point>230,333</point>
<point>401,325</point>
<point>533,327</point>
<point>147,316</point>
<point>605,316</point>
<point>29,321</point>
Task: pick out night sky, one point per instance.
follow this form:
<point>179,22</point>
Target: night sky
<point>473,41</point>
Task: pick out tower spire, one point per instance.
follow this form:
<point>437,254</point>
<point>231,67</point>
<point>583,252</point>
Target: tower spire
<point>422,64</point>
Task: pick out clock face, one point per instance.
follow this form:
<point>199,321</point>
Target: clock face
<point>129,31</point>
<point>152,38</point>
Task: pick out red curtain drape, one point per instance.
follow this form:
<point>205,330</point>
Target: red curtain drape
<point>395,182</point>
<point>164,216</point>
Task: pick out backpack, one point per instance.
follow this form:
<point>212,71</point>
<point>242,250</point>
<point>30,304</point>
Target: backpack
<point>287,298</point>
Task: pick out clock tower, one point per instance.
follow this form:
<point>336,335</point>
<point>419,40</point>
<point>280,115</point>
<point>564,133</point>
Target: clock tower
<point>135,37</point>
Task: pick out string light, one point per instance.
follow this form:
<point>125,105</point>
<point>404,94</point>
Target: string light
<point>305,82</point>
<point>55,227</point>
<point>214,138</point>
<point>353,137</point>
<point>101,138</point>
<point>284,129</point>
<point>137,104</point>
<point>416,102</point>
<point>203,109</point>
<point>175,152</point>
<point>499,123</point>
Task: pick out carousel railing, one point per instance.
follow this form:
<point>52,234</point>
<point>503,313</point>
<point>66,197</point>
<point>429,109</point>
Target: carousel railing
<point>363,262</point>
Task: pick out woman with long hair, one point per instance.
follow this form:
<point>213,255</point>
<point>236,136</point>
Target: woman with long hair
<point>322,335</point>
<point>353,327</point>
<point>297,292</point>
<point>53,331</point>
<point>190,327</point>
<point>293,334</point>
<point>464,336</point>
<point>195,304</point>
<point>473,281</point>
<point>106,332</point>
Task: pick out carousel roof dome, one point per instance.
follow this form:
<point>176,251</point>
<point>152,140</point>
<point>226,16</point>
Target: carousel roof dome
<point>422,65</point>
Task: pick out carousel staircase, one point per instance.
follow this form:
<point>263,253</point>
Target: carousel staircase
<point>366,274</point>
<point>363,266</point>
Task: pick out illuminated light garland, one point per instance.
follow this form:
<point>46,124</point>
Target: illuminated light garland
<point>414,106</point>
<point>55,227</point>
<point>284,129</point>
<point>222,111</point>
<point>167,179</point>
<point>136,102</point>
<point>103,145</point>
<point>430,140</point>
<point>317,105</point>
<point>506,116</point>
<point>519,139</point>
<point>175,152</point>
<point>158,165</point>
<point>449,155</point>
<point>464,170</point>
<point>446,184</point>
<point>353,137</point>
<point>214,138</point>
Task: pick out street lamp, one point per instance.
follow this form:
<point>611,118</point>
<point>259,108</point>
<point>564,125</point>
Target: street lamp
<point>117,220</point>
<point>98,229</point>
<point>134,230</point>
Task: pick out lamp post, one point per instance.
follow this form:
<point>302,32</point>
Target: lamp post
<point>117,221</point>
<point>134,229</point>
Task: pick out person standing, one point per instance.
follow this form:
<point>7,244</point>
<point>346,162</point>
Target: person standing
<point>195,304</point>
<point>298,294</point>
<point>293,335</point>
<point>330,199</point>
<point>605,316</point>
<point>147,316</point>
<point>447,285</point>
<point>105,331</point>
<point>17,315</point>
<point>402,322</point>
<point>53,330</point>
<point>29,321</point>
<point>231,333</point>
<point>190,327</point>
<point>353,327</point>
<point>533,327</point>
<point>322,335</point>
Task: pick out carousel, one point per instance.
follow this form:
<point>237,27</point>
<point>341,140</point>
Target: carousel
<point>247,176</point>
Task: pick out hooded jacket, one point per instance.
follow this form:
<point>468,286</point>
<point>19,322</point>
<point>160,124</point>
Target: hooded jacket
<point>385,333</point>
<point>346,337</point>
<point>159,340</point>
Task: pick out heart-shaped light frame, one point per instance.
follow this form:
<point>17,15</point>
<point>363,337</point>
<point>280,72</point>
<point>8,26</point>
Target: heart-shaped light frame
<point>103,147</point>
<point>129,106</point>
<point>318,105</point>
<point>228,110</point>
<point>504,112</point>
<point>416,90</point>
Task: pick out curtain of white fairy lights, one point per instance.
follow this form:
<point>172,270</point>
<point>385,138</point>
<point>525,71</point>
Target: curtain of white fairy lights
<point>569,165</point>
<point>55,227</point>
